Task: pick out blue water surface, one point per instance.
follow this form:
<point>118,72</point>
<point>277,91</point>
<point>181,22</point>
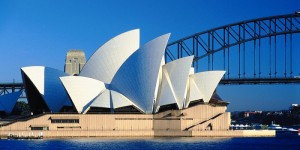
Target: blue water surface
<point>145,143</point>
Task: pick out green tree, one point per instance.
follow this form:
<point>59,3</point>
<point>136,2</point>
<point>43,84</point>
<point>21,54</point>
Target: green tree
<point>22,108</point>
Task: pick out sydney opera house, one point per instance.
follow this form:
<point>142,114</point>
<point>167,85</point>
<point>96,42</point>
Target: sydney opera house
<point>121,77</point>
<point>125,89</point>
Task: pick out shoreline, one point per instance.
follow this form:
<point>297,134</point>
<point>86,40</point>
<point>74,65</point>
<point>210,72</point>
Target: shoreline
<point>124,134</point>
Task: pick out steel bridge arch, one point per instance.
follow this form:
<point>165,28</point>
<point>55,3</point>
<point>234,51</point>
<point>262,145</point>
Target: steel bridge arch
<point>205,44</point>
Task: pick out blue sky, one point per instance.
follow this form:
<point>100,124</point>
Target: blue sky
<point>40,32</point>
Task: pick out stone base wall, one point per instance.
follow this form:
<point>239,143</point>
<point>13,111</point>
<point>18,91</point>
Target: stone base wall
<point>199,120</point>
<point>178,120</point>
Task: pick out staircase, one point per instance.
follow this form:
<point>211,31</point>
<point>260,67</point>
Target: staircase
<point>186,129</point>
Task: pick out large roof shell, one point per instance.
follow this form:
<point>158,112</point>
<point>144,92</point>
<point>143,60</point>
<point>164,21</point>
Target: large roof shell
<point>107,60</point>
<point>8,101</point>
<point>206,83</point>
<point>47,81</point>
<point>37,76</point>
<point>174,82</point>
<point>82,90</point>
<point>137,77</point>
<point>110,99</point>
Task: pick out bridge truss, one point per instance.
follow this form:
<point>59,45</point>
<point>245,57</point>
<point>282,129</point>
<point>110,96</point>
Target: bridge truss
<point>6,88</point>
<point>258,51</point>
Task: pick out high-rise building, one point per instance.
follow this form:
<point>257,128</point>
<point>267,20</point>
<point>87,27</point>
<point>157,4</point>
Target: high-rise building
<point>75,61</point>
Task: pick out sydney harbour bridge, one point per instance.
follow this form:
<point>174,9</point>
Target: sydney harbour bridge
<point>258,51</point>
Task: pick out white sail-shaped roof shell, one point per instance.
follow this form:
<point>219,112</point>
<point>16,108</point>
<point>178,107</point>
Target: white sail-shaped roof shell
<point>167,93</point>
<point>207,82</point>
<point>203,85</point>
<point>103,100</point>
<point>110,99</point>
<point>8,101</point>
<point>47,82</point>
<point>37,76</point>
<point>174,81</point>
<point>137,77</point>
<point>82,90</point>
<point>120,100</point>
<point>158,85</point>
<point>193,92</point>
<point>107,60</point>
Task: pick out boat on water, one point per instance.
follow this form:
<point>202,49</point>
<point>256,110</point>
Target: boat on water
<point>276,127</point>
<point>282,131</point>
<point>292,130</point>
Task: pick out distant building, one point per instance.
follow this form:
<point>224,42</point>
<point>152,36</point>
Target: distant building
<point>251,113</point>
<point>295,109</point>
<point>75,61</point>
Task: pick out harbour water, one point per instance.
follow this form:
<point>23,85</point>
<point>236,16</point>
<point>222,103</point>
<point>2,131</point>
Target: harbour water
<point>279,142</point>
